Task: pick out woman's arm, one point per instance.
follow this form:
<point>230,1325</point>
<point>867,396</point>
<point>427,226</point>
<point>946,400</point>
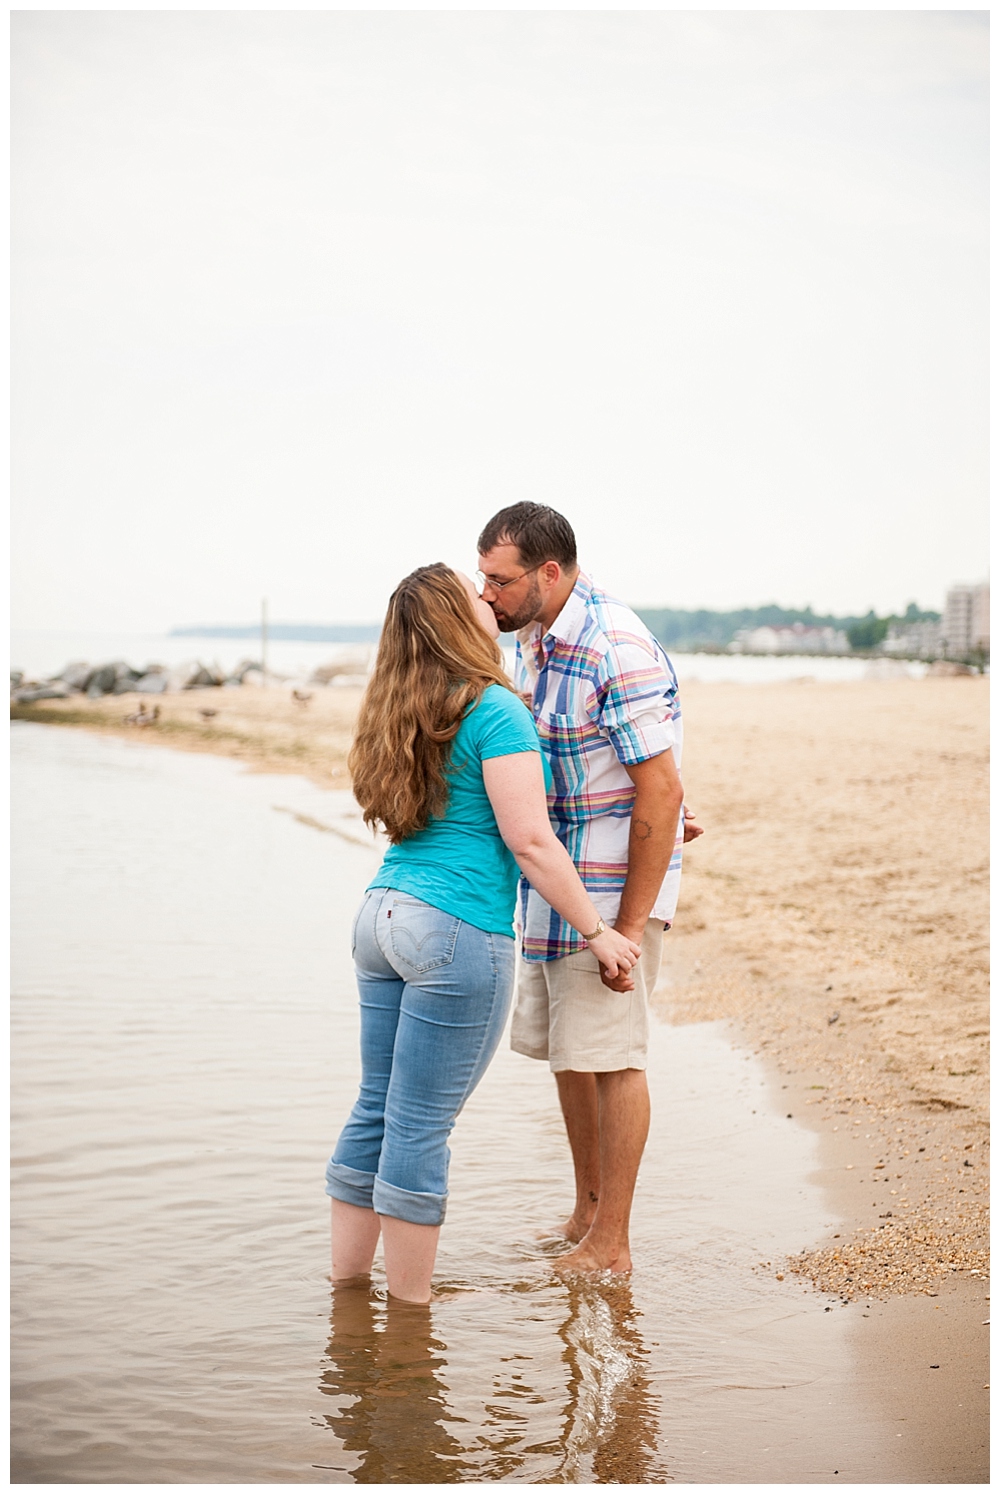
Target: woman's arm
<point>516,789</point>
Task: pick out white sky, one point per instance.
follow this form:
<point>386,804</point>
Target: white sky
<point>300,299</point>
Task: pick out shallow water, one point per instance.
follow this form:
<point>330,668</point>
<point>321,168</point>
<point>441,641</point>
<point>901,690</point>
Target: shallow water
<point>184,1043</point>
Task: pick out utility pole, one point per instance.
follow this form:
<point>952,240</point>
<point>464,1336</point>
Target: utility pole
<point>263,638</point>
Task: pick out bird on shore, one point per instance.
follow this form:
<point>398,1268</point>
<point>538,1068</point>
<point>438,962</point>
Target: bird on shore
<point>207,712</point>
<point>302,696</point>
<point>142,717</point>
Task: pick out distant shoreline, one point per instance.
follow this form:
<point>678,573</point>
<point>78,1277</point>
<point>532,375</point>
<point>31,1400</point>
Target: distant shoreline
<point>369,633</point>
<point>286,632</point>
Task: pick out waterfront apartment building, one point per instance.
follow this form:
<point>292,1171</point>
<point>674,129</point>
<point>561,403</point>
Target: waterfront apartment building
<point>800,638</point>
<point>966,622</point>
<point>915,640</point>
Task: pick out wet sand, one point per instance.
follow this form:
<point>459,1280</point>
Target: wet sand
<point>835,915</point>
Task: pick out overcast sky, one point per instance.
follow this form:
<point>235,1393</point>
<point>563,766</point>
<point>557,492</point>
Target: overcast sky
<point>300,299</point>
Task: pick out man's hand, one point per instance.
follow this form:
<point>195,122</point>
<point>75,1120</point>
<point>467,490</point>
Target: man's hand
<point>622,982</point>
<point>691,830</point>
<point>617,982</point>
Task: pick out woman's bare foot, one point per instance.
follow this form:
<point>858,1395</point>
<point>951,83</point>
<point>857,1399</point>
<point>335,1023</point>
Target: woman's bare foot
<point>588,1257</point>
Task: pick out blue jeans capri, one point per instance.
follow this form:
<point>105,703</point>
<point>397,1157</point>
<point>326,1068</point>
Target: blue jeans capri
<point>435,992</point>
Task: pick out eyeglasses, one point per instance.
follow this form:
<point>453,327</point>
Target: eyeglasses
<point>483,581</point>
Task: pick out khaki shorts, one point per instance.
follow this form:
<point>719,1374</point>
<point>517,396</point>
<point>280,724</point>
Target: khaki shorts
<point>566,1013</point>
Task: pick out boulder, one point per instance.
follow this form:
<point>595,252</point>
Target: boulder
<point>324,673</point>
<point>153,683</point>
<point>193,675</point>
<point>75,675</point>
<point>125,679</point>
<point>101,681</point>
<point>16,676</point>
<point>49,691</point>
<point>181,675</point>
<point>236,676</point>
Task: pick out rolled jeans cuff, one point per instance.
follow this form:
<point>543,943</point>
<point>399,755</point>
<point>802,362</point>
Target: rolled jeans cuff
<point>349,1185</point>
<point>400,1203</point>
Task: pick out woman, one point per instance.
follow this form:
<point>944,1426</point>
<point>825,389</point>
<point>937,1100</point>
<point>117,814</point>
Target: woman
<point>446,760</point>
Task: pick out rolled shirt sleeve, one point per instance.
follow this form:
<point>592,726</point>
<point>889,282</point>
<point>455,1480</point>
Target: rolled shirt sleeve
<point>637,711</point>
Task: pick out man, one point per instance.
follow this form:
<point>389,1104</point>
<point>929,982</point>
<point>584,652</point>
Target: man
<point>604,697</point>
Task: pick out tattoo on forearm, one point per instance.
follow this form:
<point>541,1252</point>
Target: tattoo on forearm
<point>642,829</point>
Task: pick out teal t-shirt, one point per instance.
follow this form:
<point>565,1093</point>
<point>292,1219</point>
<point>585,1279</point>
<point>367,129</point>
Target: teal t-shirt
<point>459,863</point>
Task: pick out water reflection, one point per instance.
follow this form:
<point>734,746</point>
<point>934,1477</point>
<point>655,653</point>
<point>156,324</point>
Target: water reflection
<point>611,1411</point>
<point>383,1363</point>
<point>396,1382</point>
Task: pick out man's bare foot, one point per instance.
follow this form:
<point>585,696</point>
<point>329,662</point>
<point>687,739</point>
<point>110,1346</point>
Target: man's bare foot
<point>572,1230</point>
<point>588,1258</point>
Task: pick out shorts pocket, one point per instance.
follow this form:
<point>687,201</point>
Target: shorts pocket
<point>422,937</point>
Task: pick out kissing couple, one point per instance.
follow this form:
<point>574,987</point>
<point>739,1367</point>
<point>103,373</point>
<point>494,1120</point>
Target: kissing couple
<point>559,797</point>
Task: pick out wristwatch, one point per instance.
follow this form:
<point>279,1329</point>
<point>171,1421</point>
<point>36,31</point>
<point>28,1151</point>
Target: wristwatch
<point>597,932</point>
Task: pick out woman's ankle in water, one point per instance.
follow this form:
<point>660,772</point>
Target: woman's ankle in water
<point>410,1253</point>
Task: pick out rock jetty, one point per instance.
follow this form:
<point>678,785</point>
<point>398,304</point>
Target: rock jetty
<point>119,678</point>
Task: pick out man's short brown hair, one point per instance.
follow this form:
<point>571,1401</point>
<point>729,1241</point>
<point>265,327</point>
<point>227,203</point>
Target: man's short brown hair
<point>539,533</point>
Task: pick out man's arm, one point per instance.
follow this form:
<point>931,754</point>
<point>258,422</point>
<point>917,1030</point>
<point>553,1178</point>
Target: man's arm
<point>652,833</point>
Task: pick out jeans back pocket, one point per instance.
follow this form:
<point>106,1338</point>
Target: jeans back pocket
<point>421,937</point>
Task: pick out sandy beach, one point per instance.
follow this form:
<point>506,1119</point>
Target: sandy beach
<point>835,911</point>
<point>836,908</point>
<point>834,915</point>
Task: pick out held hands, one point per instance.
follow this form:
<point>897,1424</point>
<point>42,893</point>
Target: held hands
<point>622,979</point>
<point>616,954</point>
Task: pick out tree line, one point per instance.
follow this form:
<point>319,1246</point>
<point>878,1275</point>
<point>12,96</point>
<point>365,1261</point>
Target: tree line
<point>679,629</point>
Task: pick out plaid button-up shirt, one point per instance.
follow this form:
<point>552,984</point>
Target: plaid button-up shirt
<point>603,694</point>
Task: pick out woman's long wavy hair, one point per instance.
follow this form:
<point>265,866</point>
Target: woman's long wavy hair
<point>434,662</point>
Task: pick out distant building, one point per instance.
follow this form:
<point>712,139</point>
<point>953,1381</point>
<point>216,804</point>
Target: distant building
<point>800,638</point>
<point>966,622</point>
<point>915,640</point>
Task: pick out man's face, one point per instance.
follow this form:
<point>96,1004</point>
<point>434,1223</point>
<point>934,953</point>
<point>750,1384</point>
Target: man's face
<point>517,603</point>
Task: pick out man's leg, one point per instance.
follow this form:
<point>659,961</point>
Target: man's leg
<point>623,1125</point>
<point>595,1028</point>
<point>578,1098</point>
